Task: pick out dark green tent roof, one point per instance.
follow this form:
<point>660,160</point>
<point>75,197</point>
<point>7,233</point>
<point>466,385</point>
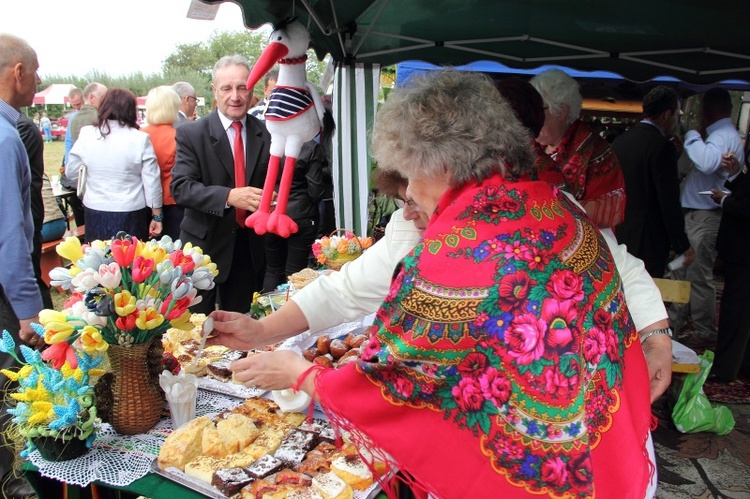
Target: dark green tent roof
<point>698,41</point>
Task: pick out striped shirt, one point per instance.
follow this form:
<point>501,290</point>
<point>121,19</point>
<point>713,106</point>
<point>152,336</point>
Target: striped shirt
<point>287,102</point>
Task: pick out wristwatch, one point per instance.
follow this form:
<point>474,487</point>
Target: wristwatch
<point>157,218</point>
<point>665,330</point>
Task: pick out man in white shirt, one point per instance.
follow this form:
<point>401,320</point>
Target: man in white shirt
<point>702,215</point>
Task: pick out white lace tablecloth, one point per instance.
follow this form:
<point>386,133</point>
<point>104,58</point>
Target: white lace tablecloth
<point>120,460</point>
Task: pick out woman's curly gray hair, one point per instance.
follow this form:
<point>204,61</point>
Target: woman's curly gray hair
<point>557,88</point>
<point>453,122</point>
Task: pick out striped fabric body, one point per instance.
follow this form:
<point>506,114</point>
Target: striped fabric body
<point>287,102</point>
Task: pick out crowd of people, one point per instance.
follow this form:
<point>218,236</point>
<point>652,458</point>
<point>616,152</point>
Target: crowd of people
<point>513,332</point>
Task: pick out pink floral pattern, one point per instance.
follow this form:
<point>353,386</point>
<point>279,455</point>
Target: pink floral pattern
<point>544,346</point>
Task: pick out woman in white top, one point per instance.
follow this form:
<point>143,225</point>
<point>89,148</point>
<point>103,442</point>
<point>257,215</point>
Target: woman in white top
<point>122,184</point>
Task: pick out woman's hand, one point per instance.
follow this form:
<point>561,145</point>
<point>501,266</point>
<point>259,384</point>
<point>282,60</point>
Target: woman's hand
<point>154,228</point>
<point>658,351</point>
<point>270,370</point>
<point>234,330</point>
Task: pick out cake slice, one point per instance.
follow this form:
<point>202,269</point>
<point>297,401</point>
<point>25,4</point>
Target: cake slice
<point>229,481</point>
<point>290,456</point>
<point>306,493</point>
<point>237,432</point>
<point>203,467</point>
<point>264,467</point>
<point>331,486</point>
<point>353,471</point>
<point>299,439</point>
<point>219,369</point>
<point>184,444</point>
<point>213,445</point>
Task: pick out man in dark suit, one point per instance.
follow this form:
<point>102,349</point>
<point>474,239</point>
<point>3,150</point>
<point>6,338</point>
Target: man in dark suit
<point>207,181</point>
<point>653,216</point>
<point>733,343</point>
<point>34,145</point>
<point>188,102</point>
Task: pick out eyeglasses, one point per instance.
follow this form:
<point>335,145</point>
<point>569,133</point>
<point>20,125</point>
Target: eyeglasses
<point>193,97</point>
<point>404,203</point>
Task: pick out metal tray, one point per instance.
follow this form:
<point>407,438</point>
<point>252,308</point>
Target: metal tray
<point>228,388</point>
<point>207,490</point>
<point>191,483</point>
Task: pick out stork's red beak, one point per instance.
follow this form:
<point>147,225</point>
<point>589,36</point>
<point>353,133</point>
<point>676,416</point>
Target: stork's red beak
<point>273,53</point>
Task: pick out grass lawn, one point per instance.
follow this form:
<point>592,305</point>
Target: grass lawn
<point>53,155</point>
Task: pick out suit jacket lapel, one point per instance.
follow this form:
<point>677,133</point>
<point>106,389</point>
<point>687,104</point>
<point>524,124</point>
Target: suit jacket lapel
<point>253,146</point>
<point>220,143</point>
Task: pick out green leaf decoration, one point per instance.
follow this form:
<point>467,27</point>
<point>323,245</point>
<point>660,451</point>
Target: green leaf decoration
<point>434,246</point>
<point>452,240</point>
<point>469,233</point>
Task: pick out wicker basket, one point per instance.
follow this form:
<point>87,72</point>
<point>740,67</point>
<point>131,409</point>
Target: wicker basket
<point>337,263</point>
<point>137,398</point>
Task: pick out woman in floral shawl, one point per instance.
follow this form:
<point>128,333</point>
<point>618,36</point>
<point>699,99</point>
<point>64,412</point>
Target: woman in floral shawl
<point>572,155</point>
<point>503,362</point>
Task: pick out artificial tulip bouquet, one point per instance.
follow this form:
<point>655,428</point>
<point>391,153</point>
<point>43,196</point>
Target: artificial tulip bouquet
<point>125,294</point>
<point>126,291</point>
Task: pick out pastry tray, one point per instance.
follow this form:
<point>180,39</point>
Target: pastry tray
<point>177,476</point>
<point>229,388</point>
<point>191,483</point>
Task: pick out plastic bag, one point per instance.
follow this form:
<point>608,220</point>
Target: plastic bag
<point>693,413</point>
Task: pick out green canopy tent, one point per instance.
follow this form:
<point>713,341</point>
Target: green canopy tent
<point>696,41</point>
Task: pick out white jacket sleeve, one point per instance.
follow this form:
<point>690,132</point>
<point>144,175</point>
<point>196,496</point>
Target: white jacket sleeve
<point>150,174</point>
<point>641,294</point>
<point>360,286</point>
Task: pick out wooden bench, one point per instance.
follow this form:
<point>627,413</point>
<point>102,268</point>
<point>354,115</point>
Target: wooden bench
<point>50,259</point>
<point>673,291</point>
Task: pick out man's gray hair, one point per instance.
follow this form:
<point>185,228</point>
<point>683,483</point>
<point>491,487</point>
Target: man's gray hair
<point>184,89</point>
<point>558,89</point>
<point>14,50</point>
<point>229,60</point>
<point>452,122</point>
<point>94,88</point>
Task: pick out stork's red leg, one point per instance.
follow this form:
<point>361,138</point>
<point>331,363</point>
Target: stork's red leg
<point>259,220</point>
<point>279,222</point>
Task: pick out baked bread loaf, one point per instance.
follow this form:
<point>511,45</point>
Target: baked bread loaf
<point>184,444</point>
<point>303,278</point>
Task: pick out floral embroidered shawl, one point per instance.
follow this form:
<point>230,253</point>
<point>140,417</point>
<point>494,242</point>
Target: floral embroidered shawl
<point>503,362</point>
<point>586,166</point>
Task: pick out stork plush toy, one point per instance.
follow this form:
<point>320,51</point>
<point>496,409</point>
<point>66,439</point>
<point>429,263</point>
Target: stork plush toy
<point>293,117</point>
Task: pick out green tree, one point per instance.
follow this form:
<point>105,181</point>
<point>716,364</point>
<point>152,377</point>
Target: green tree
<point>193,63</point>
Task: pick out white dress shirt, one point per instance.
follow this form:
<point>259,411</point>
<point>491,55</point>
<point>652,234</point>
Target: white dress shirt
<point>707,173</point>
<point>122,172</point>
